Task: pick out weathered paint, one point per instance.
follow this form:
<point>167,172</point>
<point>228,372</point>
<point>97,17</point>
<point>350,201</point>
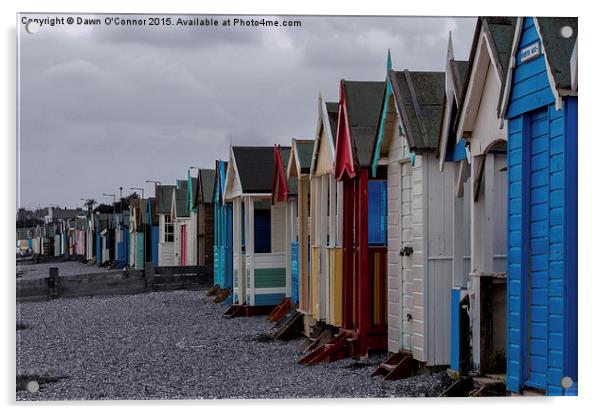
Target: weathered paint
<point>542,229</point>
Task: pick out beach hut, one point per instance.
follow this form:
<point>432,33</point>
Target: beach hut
<point>364,316</point>
<point>122,235</point>
<point>80,236</point>
<point>205,217</point>
<point>259,253</point>
<point>419,234</point>
<point>150,223</point>
<point>480,130</point>
<point>164,196</point>
<point>284,192</point>
<point>136,233</point>
<point>180,216</point>
<point>454,155</point>
<point>326,203</point>
<point>192,226</point>
<point>297,173</point>
<point>539,102</point>
<point>222,249</point>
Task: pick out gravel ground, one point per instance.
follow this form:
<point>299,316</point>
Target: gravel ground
<point>37,271</point>
<point>174,345</point>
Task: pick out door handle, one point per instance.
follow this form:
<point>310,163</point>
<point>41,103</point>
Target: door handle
<point>406,251</point>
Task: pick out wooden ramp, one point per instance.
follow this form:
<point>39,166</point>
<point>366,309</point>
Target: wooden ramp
<point>319,336</point>
<point>459,388</point>
<point>221,295</point>
<point>213,291</point>
<point>291,327</point>
<point>397,366</point>
<point>245,310</point>
<point>280,310</point>
<point>335,349</point>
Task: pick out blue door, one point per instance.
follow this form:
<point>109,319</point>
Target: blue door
<point>538,248</point>
<point>295,272</point>
<point>263,231</point>
<point>155,245</point>
<point>228,268</point>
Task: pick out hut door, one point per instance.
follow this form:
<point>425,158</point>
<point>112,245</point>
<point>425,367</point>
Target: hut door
<point>183,245</point>
<point>406,256</point>
<point>538,212</point>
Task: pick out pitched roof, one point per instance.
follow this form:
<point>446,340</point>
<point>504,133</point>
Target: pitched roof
<point>180,194</point>
<point>206,181</point>
<point>194,187</point>
<point>304,149</point>
<point>363,101</point>
<point>333,118</point>
<point>218,185</point>
<point>164,194</point>
<point>558,49</point>
<point>255,167</point>
<point>420,97</point>
<point>459,69</point>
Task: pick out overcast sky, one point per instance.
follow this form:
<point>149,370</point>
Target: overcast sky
<point>105,106</point>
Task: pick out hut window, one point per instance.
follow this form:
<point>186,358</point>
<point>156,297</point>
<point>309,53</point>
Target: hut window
<point>168,229</point>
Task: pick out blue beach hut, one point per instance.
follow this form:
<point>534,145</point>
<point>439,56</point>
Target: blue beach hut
<point>222,249</point>
<point>540,104</point>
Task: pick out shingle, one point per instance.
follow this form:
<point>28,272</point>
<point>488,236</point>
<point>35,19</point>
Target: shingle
<point>164,196</point>
<point>194,186</point>
<point>422,114</point>
<point>255,168</point>
<point>558,49</point>
<point>459,69</point>
<point>180,192</point>
<point>363,101</point>
<point>304,149</point>
<point>333,118</point>
<point>206,179</point>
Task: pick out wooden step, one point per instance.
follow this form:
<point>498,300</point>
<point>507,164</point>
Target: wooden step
<point>397,366</point>
<point>459,388</point>
<point>222,295</point>
<point>213,291</point>
<point>331,351</point>
<point>281,310</point>
<point>291,328</point>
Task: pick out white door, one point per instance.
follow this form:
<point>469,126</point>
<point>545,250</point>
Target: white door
<point>407,262</point>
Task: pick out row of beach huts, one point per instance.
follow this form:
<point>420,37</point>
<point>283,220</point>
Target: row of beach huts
<point>433,215</point>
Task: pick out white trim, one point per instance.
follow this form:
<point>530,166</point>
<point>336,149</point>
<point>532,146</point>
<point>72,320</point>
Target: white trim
<point>574,69</point>
<point>264,291</point>
<point>551,80</point>
<point>232,169</point>
<point>470,91</point>
<point>511,66</point>
<point>323,122</point>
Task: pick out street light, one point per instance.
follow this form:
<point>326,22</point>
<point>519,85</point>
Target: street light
<point>138,188</point>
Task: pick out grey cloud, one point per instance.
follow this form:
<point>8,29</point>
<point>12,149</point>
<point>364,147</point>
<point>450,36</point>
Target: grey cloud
<point>107,108</point>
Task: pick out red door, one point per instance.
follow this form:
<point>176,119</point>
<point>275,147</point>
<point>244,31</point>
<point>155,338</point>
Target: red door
<point>183,245</point>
